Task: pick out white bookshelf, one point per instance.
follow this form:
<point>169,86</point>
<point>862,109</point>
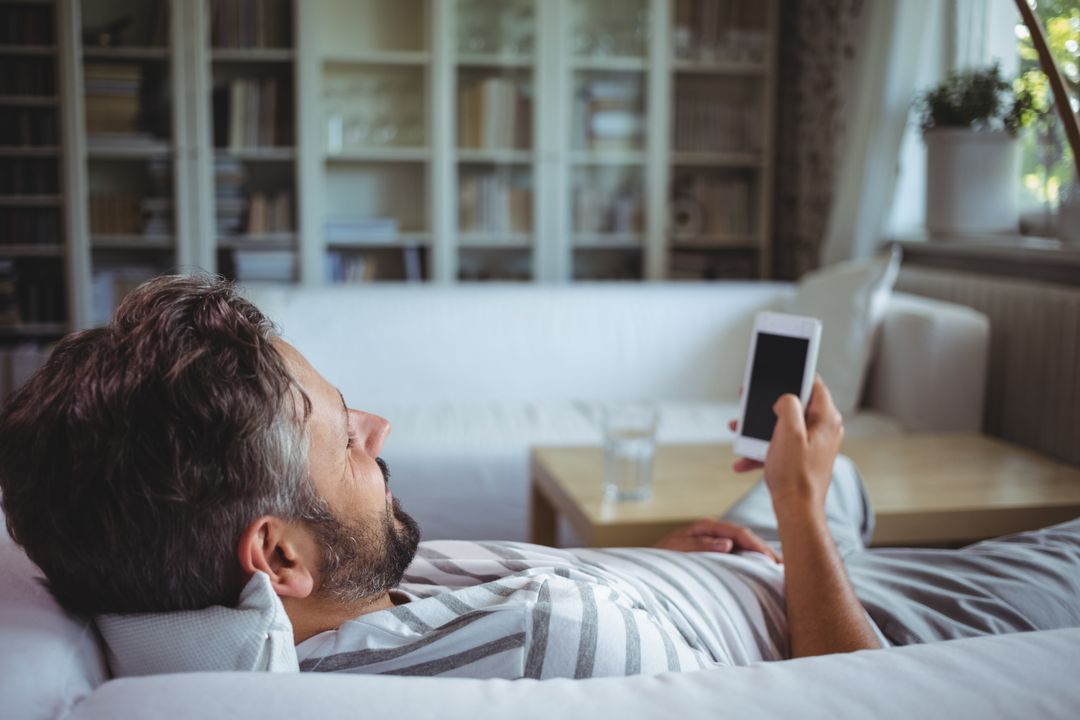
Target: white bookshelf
<point>585,184</point>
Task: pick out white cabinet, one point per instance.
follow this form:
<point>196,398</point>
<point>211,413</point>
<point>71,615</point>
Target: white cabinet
<point>330,141</point>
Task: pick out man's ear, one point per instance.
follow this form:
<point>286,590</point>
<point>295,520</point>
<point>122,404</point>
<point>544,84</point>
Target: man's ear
<point>284,551</point>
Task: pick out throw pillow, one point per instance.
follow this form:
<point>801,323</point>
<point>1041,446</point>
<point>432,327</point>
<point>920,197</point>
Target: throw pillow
<point>849,299</point>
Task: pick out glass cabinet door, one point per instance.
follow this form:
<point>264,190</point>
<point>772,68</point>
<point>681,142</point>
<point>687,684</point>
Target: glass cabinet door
<point>609,47</point>
<point>376,139</point>
<point>494,95</point>
<point>129,126</point>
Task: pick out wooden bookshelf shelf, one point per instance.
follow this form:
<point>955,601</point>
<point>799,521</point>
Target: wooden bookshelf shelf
<point>717,159</point>
<point>717,242</point>
<point>103,241</point>
<point>252,55</point>
<point>28,50</point>
<point>126,53</point>
<point>31,250</point>
<point>28,100</point>
<point>404,239</point>
<point>137,151</point>
<point>380,154</point>
<point>377,57</point>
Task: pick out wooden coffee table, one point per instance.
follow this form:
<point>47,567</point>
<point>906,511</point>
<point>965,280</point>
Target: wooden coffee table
<point>925,490</point>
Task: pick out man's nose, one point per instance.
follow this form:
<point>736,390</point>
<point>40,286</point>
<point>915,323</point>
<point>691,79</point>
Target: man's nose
<point>374,430</point>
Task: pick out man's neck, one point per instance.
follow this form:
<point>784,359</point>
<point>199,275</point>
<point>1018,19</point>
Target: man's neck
<point>311,616</point>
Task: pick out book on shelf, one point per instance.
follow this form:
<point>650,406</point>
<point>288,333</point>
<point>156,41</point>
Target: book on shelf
<point>609,114</point>
<point>351,267</point>
<point>725,203</point>
<point>9,299</point>
<point>29,176</point>
<point>249,23</point>
<point>607,202</point>
<point>264,265</point>
<point>344,230</point>
<point>494,113</point>
<point>246,113</point>
<point>269,213</point>
<point>28,127</point>
<point>39,289</point>
<point>24,24</point>
<point>29,226</point>
<point>32,76</point>
<point>716,117</point>
<point>493,203</point>
<point>112,98</point>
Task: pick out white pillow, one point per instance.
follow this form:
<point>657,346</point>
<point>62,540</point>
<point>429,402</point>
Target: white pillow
<point>849,299</point>
<point>255,635</point>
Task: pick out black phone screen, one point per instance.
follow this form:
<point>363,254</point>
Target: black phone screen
<point>779,361</point>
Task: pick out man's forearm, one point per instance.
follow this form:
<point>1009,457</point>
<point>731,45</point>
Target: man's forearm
<point>824,615</point>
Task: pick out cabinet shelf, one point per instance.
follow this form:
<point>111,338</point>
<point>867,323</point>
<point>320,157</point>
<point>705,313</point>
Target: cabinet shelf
<point>126,53</point>
<point>258,154</point>
<point>716,242</point>
<point>137,150</point>
<point>404,239</point>
<point>29,151</point>
<point>470,240</point>
<point>36,329</point>
<point>481,60</point>
<point>262,241</point>
<point>631,64</point>
<point>27,250</point>
<point>118,241</point>
<point>608,157</point>
<point>495,155</point>
<point>613,241</point>
<point>252,55</point>
<point>717,159</point>
<point>31,200</point>
<point>380,154</point>
<point>377,57</point>
<point>717,67</point>
<point>28,100</point>
<point>28,50</point>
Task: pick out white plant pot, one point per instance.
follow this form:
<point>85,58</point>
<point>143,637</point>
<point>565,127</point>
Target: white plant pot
<point>971,182</point>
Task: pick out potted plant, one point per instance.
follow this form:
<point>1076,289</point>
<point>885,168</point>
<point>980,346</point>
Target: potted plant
<point>969,123</point>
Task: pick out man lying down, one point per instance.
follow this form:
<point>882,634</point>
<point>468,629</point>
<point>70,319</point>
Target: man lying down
<point>188,478</point>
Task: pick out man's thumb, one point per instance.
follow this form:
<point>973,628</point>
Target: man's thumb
<point>789,415</point>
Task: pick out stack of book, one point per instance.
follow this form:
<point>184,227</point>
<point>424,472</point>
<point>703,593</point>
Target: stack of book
<point>112,98</point>
<point>115,214</point>
<point>29,226</point>
<point>346,230</point>
<point>26,24</point>
<point>28,177</point>
<point>610,114</point>
<point>28,127</point>
<point>157,215</point>
<point>716,117</point>
<point>230,197</point>
<point>494,203</point>
<point>249,23</point>
<point>246,114</point>
<point>27,76</point>
<point>494,113</point>
<point>265,265</point>
<point>268,214</point>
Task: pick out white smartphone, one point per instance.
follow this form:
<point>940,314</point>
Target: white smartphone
<point>783,358</point>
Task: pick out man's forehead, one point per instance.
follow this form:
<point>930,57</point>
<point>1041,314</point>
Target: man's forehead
<point>322,395</point>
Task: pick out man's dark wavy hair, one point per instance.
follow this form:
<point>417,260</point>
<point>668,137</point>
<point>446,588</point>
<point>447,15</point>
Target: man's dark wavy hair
<point>132,462</point>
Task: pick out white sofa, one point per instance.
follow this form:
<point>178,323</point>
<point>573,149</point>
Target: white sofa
<point>52,666</point>
<point>470,377</point>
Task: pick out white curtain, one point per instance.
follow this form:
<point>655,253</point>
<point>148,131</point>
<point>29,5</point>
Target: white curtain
<point>899,34</point>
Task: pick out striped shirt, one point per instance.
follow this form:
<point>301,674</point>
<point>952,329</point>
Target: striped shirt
<point>514,610</point>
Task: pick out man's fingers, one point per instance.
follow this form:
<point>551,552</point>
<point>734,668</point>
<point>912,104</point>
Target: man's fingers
<point>746,465</point>
<point>821,408</point>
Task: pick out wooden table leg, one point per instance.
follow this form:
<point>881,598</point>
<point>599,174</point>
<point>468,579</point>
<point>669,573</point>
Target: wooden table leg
<point>544,521</point>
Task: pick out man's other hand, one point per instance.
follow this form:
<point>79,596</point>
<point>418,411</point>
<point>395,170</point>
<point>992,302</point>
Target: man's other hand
<point>708,535</point>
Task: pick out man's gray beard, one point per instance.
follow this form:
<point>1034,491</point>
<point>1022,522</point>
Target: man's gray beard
<point>361,561</point>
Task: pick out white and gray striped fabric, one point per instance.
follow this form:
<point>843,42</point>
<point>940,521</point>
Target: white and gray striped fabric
<point>513,610</point>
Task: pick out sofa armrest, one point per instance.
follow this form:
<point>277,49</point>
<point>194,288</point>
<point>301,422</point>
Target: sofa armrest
<point>929,370</point>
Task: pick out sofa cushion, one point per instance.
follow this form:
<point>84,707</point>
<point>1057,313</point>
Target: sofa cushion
<point>850,299</point>
<point>49,660</point>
